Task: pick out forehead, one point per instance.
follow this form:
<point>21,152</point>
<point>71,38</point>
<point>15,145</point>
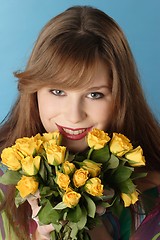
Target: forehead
<point>101,73</point>
<point>81,77</point>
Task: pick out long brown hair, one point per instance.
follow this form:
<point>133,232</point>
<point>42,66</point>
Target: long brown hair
<point>65,54</point>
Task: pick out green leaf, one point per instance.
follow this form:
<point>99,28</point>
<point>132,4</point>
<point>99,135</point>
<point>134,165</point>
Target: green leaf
<point>123,160</point>
<point>117,207</point>
<point>113,162</point>
<point>121,174</point>
<point>46,191</point>
<point>48,167</point>
<point>79,158</point>
<point>91,207</point>
<point>138,175</point>
<point>65,234</point>
<point>57,227</point>
<point>126,186</point>
<point>83,220</point>
<point>10,177</point>
<point>43,171</point>
<point>18,199</point>
<point>60,206</point>
<point>74,214</point>
<point>48,215</point>
<point>101,156</point>
<point>74,230</point>
<point>53,235</point>
<point>107,205</point>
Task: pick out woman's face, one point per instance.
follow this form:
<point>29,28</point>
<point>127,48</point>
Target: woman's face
<point>75,112</point>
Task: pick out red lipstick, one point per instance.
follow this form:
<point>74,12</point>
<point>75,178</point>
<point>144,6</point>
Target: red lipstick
<point>73,133</point>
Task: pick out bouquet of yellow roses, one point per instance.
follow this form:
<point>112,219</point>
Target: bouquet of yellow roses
<point>72,186</point>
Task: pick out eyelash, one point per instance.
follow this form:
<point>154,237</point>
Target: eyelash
<point>57,92</point>
<point>95,95</point>
<point>92,95</point>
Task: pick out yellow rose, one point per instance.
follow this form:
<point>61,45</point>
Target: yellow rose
<point>27,146</point>
<point>80,177</point>
<point>94,187</point>
<point>62,180</point>
<point>68,167</point>
<point>130,198</point>
<point>26,186</point>
<point>52,138</point>
<point>136,157</point>
<point>120,144</point>
<point>31,165</point>
<point>11,158</point>
<point>92,167</point>
<point>38,137</point>
<point>55,154</point>
<point>71,198</point>
<point>97,139</point>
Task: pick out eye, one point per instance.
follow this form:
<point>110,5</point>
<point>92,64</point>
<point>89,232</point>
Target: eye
<point>57,92</point>
<point>95,95</point>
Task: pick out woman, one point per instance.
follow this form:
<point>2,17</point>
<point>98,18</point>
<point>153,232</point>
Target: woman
<point>81,74</point>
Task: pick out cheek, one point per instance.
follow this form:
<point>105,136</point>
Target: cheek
<point>46,106</point>
<point>103,112</point>
<point>45,110</point>
<point>48,112</point>
<point>104,117</point>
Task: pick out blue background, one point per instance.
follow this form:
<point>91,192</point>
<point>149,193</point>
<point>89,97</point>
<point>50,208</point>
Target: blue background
<point>21,21</point>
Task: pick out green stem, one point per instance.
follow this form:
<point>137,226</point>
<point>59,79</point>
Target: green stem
<point>90,152</point>
<point>56,169</point>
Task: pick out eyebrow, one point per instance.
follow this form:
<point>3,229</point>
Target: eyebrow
<point>98,87</point>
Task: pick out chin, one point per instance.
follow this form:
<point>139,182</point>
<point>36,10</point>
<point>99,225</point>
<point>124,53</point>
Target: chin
<point>75,146</point>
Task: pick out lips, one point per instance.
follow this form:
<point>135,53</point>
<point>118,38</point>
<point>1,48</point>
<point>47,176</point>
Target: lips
<point>73,134</point>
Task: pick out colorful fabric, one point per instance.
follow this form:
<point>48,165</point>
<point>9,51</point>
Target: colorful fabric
<point>150,227</point>
<point>112,224</point>
<point>125,224</point>
<point>147,227</point>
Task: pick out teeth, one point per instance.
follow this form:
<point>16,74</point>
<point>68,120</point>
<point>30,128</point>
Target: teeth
<point>71,132</point>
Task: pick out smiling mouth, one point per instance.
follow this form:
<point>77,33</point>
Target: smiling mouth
<point>73,134</point>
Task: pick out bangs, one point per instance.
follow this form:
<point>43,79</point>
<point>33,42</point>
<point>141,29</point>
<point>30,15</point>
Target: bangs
<point>68,61</point>
<point>73,64</point>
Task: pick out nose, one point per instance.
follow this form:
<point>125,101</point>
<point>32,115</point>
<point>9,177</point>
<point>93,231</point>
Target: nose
<point>75,111</point>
